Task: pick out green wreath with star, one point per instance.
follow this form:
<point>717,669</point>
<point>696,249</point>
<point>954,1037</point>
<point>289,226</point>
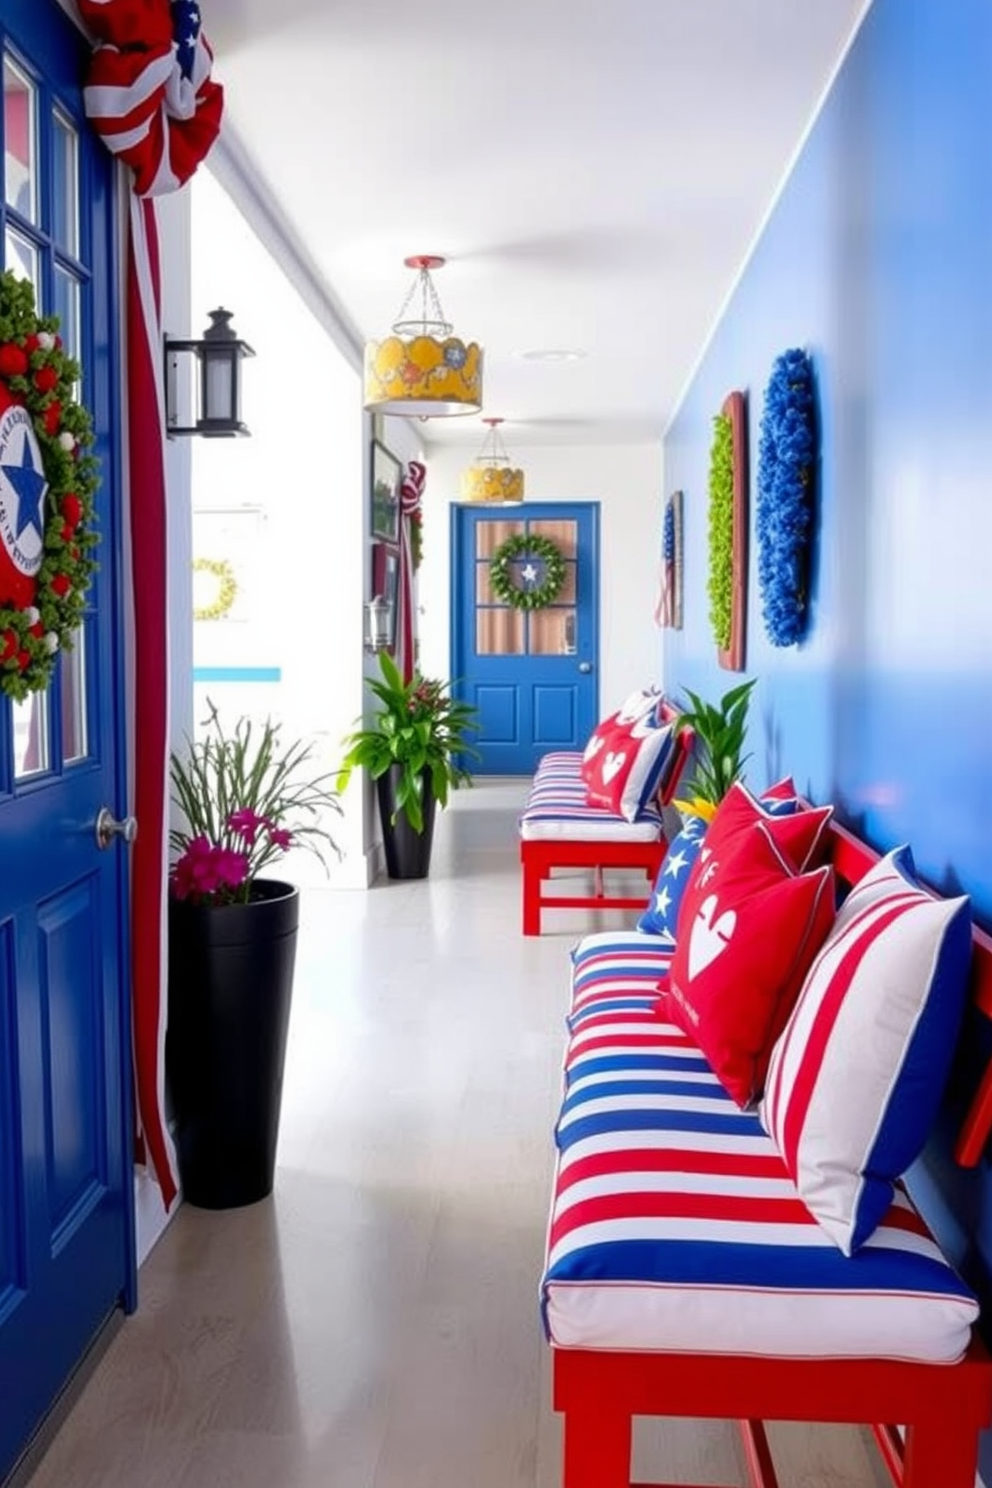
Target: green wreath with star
<point>48,478</point>
<point>502,579</point>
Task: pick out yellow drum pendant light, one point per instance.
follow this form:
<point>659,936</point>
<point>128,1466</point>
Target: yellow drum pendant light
<point>491,478</point>
<point>422,370</point>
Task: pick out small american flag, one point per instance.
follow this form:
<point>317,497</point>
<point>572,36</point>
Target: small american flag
<point>669,608</point>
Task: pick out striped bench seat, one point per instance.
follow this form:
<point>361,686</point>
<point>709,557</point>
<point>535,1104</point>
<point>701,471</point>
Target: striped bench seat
<point>685,1277</point>
<point>558,830</point>
<point>675,1224</point>
<point>556,808</point>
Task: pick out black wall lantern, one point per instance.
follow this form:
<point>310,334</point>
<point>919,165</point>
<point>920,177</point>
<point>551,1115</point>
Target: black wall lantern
<point>218,384</point>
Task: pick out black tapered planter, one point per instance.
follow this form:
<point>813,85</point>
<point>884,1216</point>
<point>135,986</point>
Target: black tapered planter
<point>230,989</point>
<point>408,853</point>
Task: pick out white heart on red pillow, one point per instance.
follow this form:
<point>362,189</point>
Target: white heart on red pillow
<point>613,763</point>
<point>711,933</point>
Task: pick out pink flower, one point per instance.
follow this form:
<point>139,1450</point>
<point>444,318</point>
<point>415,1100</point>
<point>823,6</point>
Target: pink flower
<point>246,824</point>
<point>280,837</point>
<point>205,869</point>
<point>230,868</point>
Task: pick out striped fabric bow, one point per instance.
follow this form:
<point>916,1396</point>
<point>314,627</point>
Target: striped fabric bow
<point>411,490</point>
<point>149,94</point>
<point>412,487</point>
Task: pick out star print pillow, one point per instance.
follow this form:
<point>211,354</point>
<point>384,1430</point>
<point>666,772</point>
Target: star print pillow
<point>662,913</point>
<point>623,765</point>
<point>749,927</point>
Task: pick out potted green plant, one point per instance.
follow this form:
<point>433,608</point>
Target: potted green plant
<point>412,748</point>
<point>245,799</point>
<point>718,759</point>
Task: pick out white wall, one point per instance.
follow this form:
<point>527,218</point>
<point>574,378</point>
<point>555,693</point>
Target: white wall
<point>627,481</point>
<point>286,506</point>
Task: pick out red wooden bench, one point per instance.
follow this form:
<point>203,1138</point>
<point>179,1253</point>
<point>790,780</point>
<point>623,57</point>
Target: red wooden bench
<point>943,1407</point>
<point>595,842</point>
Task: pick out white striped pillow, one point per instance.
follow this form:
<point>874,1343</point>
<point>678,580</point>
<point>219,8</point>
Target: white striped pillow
<point>856,1078</point>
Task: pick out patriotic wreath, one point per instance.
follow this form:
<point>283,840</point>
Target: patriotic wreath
<point>524,549</point>
<point>785,497</point>
<point>227,588</point>
<point>720,585</point>
<point>47,482</point>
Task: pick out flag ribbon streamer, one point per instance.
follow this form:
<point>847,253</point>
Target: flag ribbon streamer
<point>150,96</point>
<point>411,495</point>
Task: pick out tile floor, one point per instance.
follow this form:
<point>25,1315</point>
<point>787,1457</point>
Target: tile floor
<point>375,1324</point>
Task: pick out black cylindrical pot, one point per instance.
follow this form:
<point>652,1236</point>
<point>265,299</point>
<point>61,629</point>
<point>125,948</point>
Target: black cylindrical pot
<point>230,990</point>
<point>408,853</point>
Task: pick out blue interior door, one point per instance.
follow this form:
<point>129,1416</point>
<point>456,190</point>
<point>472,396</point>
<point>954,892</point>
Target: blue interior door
<point>66,1209</point>
<point>532,674</point>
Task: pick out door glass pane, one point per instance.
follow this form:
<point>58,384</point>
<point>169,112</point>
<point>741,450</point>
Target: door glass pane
<point>66,156</point>
<point>499,632</point>
<point>552,632</point>
<point>566,594</point>
<point>74,731</point>
<point>20,149</point>
<point>21,257</point>
<point>564,535</point>
<point>31,753</point>
<point>483,588</point>
<point>489,535</point>
<point>67,309</point>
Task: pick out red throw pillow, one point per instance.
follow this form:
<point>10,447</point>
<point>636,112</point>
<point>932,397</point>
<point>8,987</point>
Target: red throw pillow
<point>622,766</point>
<point>797,836</point>
<point>781,790</point>
<point>749,928</point>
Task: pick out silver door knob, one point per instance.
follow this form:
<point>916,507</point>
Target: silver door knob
<point>108,827</point>
<point>585,666</point>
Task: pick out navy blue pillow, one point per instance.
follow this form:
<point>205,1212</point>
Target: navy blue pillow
<point>662,913</point>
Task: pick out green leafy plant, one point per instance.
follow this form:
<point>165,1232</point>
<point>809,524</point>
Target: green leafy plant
<point>720,584</point>
<point>246,800</point>
<point>718,758</point>
<point>418,726</point>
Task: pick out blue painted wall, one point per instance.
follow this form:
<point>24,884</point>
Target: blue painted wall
<point>878,260</point>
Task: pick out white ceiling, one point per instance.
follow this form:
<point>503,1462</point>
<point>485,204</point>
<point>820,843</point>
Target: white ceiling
<point>594,172</point>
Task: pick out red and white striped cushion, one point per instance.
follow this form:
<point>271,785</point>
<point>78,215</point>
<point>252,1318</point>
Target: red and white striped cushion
<point>856,1078</point>
<point>675,1225</point>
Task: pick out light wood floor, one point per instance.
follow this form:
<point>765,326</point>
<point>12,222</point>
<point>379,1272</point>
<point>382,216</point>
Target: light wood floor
<point>375,1324</point>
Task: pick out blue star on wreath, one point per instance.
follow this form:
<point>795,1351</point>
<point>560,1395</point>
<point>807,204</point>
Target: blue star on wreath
<point>786,469</point>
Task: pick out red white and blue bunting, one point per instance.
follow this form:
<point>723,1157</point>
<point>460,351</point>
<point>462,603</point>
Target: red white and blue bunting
<point>151,98</point>
<point>411,516</point>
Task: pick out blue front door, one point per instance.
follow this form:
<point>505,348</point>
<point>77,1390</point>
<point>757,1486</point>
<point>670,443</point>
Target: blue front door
<point>66,1229</point>
<point>532,674</point>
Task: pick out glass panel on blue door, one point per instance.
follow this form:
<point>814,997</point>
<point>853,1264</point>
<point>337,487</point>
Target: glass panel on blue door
<point>483,588</point>
<point>552,632</point>
<point>65,152</point>
<point>564,535</point>
<point>21,258</point>
<point>20,146</point>
<point>67,310</point>
<point>31,752</point>
<point>75,745</point>
<point>489,536</point>
<point>499,632</point>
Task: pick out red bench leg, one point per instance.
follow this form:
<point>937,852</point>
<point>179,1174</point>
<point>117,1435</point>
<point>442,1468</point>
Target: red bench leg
<point>938,1457</point>
<point>597,1450</point>
<point>531,876</point>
